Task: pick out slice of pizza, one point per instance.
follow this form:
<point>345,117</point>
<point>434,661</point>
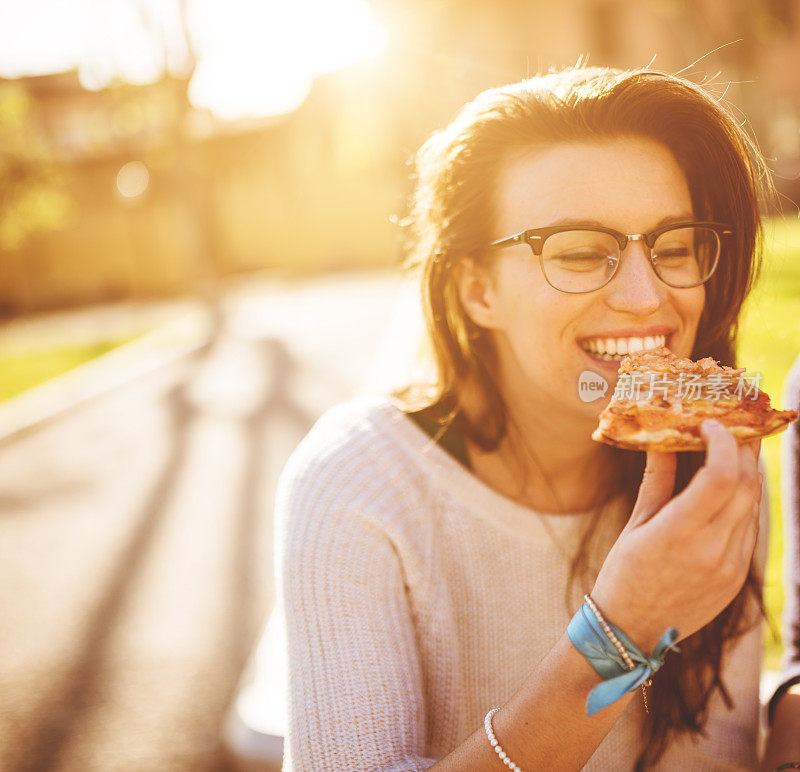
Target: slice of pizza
<point>661,399</point>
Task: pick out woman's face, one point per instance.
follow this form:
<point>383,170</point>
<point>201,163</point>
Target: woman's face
<point>630,184</point>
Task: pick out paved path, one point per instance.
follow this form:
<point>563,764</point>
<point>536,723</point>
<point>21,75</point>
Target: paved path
<point>135,533</point>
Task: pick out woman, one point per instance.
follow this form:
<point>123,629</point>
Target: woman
<point>428,579</point>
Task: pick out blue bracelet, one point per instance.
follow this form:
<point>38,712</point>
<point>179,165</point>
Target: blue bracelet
<point>589,638</point>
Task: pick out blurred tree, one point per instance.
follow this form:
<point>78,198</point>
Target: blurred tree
<point>33,197</point>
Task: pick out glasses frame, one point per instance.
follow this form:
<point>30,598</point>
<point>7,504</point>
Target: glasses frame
<point>535,238</point>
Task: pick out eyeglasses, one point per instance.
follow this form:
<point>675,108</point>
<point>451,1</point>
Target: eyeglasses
<point>584,258</point>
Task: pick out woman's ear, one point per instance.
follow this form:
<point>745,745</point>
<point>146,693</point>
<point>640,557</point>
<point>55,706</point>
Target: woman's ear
<point>476,292</point>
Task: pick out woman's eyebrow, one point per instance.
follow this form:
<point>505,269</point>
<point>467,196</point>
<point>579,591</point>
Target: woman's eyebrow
<point>669,220</point>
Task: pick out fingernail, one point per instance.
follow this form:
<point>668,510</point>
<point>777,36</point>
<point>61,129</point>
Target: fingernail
<point>711,425</point>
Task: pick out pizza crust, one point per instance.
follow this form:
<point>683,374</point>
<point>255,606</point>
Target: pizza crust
<point>672,440</point>
<point>666,444</point>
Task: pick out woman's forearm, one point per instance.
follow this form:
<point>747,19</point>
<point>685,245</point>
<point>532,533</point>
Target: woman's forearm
<point>544,724</point>
<point>783,743</point>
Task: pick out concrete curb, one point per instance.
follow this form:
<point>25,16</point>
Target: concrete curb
<point>118,367</point>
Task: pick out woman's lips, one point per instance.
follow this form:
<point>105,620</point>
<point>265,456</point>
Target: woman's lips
<point>612,365</point>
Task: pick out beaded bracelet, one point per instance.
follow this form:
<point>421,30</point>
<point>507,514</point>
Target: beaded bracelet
<point>618,646</point>
<point>487,723</point>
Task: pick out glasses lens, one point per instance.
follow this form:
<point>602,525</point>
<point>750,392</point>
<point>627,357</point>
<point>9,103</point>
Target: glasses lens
<point>579,261</point>
<point>685,257</point>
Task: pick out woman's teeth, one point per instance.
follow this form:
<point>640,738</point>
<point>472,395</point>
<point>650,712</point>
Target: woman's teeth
<point>613,349</point>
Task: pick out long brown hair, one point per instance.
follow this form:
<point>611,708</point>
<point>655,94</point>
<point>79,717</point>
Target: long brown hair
<point>450,214</point>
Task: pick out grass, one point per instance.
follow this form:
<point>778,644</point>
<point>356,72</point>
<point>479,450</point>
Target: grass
<point>769,343</point>
<point>20,371</point>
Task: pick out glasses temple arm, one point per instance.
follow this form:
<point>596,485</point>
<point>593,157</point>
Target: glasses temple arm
<point>519,238</point>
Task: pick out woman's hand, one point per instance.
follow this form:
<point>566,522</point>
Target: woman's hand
<point>680,561</point>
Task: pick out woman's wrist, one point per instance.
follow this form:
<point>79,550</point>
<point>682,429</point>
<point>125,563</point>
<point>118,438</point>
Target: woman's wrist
<point>644,632</point>
<point>616,658</point>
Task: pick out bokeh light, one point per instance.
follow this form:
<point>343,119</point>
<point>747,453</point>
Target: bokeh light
<point>133,179</point>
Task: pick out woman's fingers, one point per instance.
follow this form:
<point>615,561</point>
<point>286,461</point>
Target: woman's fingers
<point>745,536</point>
<point>753,447</point>
<point>748,484</point>
<point>715,483</point>
<point>739,549</point>
<point>750,537</point>
<point>657,486</point>
<point>737,523</point>
<point>741,516</point>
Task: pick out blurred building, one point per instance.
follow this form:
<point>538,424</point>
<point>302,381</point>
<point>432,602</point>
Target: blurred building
<point>133,193</point>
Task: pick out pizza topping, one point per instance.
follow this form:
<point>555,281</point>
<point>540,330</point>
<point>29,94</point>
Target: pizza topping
<point>661,359</point>
<point>661,400</point>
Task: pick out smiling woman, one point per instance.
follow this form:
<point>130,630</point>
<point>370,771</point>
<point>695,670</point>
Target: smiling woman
<point>466,576</point>
<point>539,331</point>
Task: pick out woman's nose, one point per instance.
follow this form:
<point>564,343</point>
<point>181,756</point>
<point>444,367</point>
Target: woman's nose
<point>635,287</point>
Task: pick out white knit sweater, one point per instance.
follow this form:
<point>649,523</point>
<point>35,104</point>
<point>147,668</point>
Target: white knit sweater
<point>415,598</point>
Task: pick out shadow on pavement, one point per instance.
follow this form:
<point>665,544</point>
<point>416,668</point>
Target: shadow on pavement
<point>71,701</point>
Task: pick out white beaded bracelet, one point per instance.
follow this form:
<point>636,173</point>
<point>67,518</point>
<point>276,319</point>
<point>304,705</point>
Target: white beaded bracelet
<point>487,723</point>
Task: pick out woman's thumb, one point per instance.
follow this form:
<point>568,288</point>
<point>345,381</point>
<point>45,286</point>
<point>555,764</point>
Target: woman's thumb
<point>657,485</point>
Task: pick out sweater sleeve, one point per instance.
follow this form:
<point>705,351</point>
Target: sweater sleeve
<point>790,448</point>
<point>355,697</point>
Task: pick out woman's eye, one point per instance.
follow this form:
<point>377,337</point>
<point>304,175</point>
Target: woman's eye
<point>678,253</point>
<point>581,260</point>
